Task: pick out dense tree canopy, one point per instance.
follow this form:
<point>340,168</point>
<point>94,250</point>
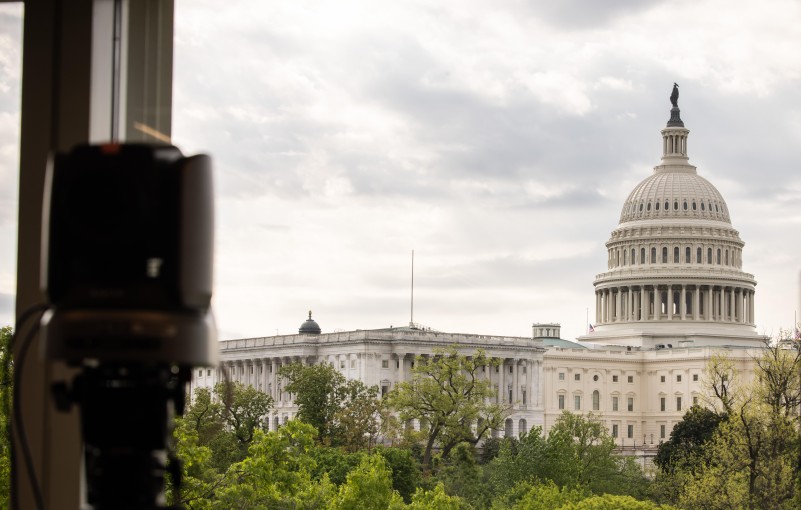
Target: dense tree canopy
<point>450,395</point>
<point>345,412</point>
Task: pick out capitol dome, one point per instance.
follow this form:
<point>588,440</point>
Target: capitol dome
<point>674,271</point>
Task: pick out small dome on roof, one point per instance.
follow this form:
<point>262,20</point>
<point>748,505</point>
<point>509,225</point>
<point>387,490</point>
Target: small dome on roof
<point>310,327</point>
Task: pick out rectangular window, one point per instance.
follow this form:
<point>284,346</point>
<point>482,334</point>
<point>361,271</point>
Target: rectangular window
<point>662,404</point>
<point>342,363</point>
<point>614,378</point>
<point>577,402</point>
<point>208,372</point>
<point>561,376</point>
<point>614,403</point>
<point>662,432</point>
<point>678,378</point>
<point>661,378</point>
<point>695,377</point>
<point>561,401</point>
<point>510,369</point>
<point>577,377</point>
<point>630,431</point>
<point>614,430</point>
<point>631,378</point>
<point>384,390</point>
<point>200,373</point>
<point>353,363</point>
<point>523,393</point>
<point>695,401</point>
<point>384,363</point>
<point>630,404</point>
<point>678,403</point>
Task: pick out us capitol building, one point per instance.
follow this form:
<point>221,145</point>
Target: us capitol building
<point>674,293</point>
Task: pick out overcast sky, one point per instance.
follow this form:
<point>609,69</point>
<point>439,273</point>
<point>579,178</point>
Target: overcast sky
<point>498,140</point>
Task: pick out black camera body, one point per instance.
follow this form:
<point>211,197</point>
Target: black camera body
<point>128,238</point>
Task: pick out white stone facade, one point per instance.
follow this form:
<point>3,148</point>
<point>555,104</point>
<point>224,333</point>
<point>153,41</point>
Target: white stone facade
<point>382,358</point>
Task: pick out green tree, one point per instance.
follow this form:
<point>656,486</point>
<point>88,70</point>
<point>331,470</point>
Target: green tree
<point>369,487</point>
<point>243,411</point>
<point>688,438</point>
<point>276,473</point>
<point>344,412</point>
<point>581,450</point>
<point>448,393</point>
<point>6,389</point>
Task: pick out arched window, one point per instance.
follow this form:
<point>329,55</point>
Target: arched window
<point>727,257</point>
<point>649,206</point>
<point>522,427</point>
<point>653,255</point>
<point>718,256</point>
<point>508,429</point>
<point>709,255</point>
<point>657,206</point>
<point>688,256</point>
<point>624,257</point>
<point>698,255</point>
<point>702,206</point>
<point>596,400</point>
<point>633,253</point>
<point>693,206</point>
<point>675,254</point>
<point>664,255</point>
<point>642,255</point>
<point>667,205</point>
<point>685,205</point>
<point>676,205</point>
<point>640,207</point>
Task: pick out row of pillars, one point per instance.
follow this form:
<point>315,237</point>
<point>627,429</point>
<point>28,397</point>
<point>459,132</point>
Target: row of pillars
<point>674,302</point>
<point>517,380</point>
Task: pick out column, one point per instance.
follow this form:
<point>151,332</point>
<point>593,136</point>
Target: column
<point>401,358</point>
<point>643,303</point>
<point>502,381</point>
<point>697,302</point>
<point>683,303</point>
<point>709,312</point>
<point>739,308</point>
<point>618,299</point>
<point>630,312</point>
<point>669,306</point>
<point>751,294</point>
<point>722,304</point>
<point>657,303</point>
<point>516,379</point>
<point>732,305</point>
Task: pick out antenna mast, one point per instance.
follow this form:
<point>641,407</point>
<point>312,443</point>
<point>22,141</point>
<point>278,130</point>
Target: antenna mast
<point>411,318</point>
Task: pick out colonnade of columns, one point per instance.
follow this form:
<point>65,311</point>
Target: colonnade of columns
<point>632,303</point>
<point>517,381</point>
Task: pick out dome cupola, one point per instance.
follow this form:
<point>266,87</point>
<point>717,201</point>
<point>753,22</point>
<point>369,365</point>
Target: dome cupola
<point>309,327</point>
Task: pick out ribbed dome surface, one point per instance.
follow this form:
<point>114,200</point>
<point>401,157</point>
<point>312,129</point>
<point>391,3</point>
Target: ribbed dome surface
<point>672,195</point>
